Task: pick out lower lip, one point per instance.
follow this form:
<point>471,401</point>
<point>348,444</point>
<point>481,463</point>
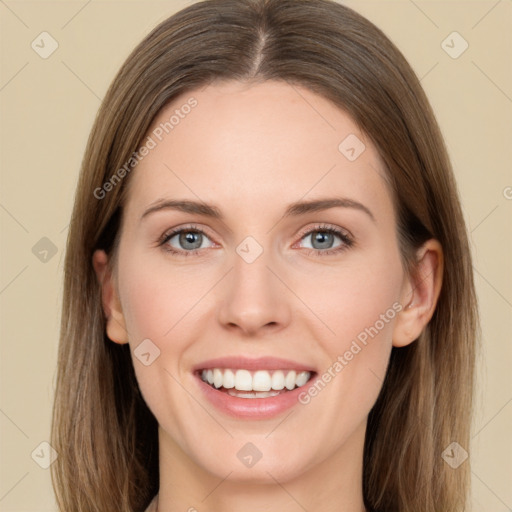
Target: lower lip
<point>251,408</point>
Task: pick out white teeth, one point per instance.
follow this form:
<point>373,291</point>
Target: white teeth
<point>278,380</point>
<point>229,379</point>
<point>261,382</point>
<point>253,394</point>
<point>301,378</point>
<point>289,382</point>
<point>217,378</point>
<point>243,380</point>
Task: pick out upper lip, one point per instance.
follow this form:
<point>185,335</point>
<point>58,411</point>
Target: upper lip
<point>260,363</point>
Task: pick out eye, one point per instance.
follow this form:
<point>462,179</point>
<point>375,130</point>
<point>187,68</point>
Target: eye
<point>185,241</point>
<point>322,240</point>
<point>189,240</point>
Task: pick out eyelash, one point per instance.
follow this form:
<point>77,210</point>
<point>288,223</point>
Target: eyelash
<point>347,241</point>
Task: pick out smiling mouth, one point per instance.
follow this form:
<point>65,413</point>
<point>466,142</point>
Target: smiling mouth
<point>243,383</point>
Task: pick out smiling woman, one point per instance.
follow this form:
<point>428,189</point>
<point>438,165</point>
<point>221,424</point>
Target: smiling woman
<point>275,309</point>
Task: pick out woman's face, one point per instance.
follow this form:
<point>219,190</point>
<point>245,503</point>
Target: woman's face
<point>294,257</point>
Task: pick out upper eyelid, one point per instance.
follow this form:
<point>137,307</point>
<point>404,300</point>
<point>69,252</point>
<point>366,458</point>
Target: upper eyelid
<point>302,233</point>
<point>175,231</point>
<point>327,227</point>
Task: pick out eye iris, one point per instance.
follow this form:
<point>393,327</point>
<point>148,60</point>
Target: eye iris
<point>190,237</point>
<point>323,238</point>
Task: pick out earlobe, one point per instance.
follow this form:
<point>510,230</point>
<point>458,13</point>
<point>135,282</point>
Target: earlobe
<point>420,294</point>
<point>115,323</point>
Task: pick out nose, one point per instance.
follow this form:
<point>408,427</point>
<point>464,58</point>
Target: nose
<point>254,299</point>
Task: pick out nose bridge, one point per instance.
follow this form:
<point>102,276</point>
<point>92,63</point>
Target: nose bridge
<point>253,298</point>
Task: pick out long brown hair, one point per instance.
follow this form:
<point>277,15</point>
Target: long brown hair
<point>103,431</point>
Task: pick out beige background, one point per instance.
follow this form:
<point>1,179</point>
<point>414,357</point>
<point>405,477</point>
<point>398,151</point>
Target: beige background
<point>47,109</point>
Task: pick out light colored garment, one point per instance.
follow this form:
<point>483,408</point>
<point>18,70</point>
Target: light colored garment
<point>152,505</point>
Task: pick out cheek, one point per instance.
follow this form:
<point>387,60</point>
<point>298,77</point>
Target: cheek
<point>358,305</point>
<point>339,303</point>
<point>354,298</point>
<point>160,305</point>
<point>157,297</point>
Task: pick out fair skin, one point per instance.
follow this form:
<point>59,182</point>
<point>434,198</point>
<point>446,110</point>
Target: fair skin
<point>252,150</point>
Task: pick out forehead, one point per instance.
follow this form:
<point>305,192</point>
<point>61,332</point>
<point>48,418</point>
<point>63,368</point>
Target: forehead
<point>253,145</point>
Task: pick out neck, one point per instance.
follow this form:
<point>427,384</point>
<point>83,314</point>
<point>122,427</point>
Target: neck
<point>333,484</point>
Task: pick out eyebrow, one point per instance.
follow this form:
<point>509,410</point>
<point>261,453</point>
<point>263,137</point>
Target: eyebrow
<point>295,209</point>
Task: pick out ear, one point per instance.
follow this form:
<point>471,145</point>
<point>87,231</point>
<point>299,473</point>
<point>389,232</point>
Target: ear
<point>116,326</point>
<point>420,294</point>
